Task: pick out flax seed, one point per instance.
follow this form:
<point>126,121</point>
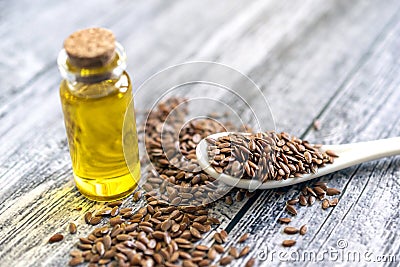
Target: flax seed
<point>332,191</point>
<point>225,260</point>
<point>290,230</point>
<point>244,251</point>
<point>115,211</point>
<point>331,153</point>
<point>311,200</point>
<point>325,204</point>
<point>224,236</point>
<point>220,249</point>
<point>303,200</point>
<point>288,243</point>
<point>250,262</point>
<point>234,252</point>
<point>319,190</point>
<point>303,229</point>
<point>75,261</point>
<point>217,238</point>
<point>243,238</point>
<point>212,254</point>
<point>284,220</point>
<point>293,201</point>
<point>88,216</point>
<point>202,247</point>
<point>56,238</point>
<point>333,202</point>
<point>115,203</point>
<point>195,233</point>
<point>291,209</point>
<point>72,228</point>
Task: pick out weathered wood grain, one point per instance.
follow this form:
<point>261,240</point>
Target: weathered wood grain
<point>287,47</point>
<point>367,211</point>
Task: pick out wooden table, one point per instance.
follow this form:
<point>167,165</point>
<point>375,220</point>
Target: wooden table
<point>334,61</point>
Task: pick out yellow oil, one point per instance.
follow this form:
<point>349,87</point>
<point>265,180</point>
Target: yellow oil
<point>94,117</point>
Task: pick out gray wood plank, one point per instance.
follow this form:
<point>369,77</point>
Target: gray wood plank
<point>38,201</point>
<point>366,109</point>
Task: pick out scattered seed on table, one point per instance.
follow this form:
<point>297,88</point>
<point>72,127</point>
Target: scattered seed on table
<point>116,220</point>
<point>115,203</point>
<point>284,220</point>
<point>75,261</point>
<point>56,238</point>
<point>195,233</point>
<point>228,200</point>
<point>217,238</point>
<point>290,230</point>
<point>95,220</point>
<point>137,196</point>
<point>75,253</point>
<point>244,251</point>
<point>303,200</point>
<point>319,190</point>
<point>84,246</point>
<point>114,211</point>
<point>291,209</point>
<point>85,240</point>
<point>333,202</point>
<point>204,263</point>
<point>322,185</point>
<point>72,228</point>
<point>311,191</point>
<point>202,247</point>
<point>243,238</point>
<point>188,263</point>
<point>234,252</point>
<point>220,249</point>
<point>293,201</point>
<point>332,191</point>
<point>225,260</point>
<point>311,200</point>
<point>303,229</point>
<point>88,216</point>
<point>250,262</point>
<point>224,236</point>
<point>100,248</point>
<point>212,254</point>
<point>325,204</point>
<point>288,243</point>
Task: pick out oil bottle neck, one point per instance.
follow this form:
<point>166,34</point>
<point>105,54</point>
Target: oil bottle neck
<point>75,74</point>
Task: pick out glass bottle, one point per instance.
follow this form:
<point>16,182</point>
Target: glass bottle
<point>95,93</point>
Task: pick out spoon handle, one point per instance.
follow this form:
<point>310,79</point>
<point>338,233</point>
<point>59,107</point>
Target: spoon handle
<point>352,154</point>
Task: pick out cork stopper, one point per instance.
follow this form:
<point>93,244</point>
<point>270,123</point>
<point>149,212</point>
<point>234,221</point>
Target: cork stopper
<point>89,48</point>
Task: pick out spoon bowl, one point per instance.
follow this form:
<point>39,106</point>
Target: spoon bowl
<point>349,155</point>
